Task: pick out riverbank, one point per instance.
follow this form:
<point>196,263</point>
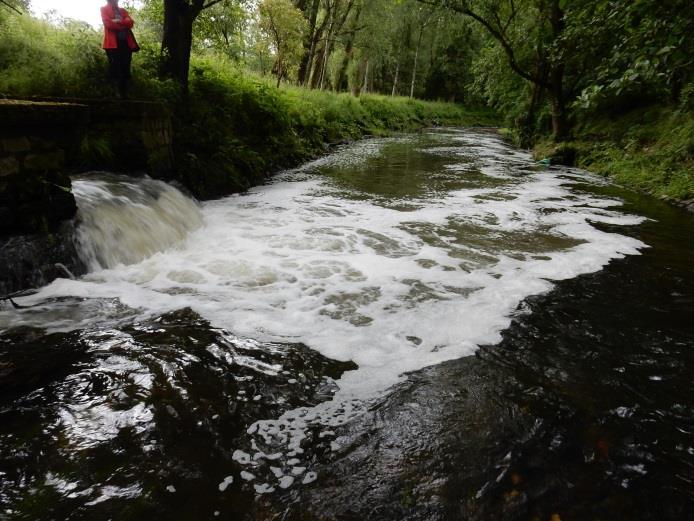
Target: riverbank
<point>233,130</point>
<point>649,149</point>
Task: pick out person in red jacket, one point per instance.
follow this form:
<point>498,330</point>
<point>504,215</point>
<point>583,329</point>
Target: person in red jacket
<point>119,43</point>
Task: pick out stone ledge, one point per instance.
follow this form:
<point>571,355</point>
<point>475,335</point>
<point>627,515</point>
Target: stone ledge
<point>23,113</point>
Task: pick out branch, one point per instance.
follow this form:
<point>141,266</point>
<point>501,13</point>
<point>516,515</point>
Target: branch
<point>211,3</point>
<point>10,6</point>
<point>498,35</point>
<point>199,5</point>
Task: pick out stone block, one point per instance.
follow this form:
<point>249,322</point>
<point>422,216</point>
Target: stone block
<point>46,161</point>
<point>8,166</point>
<point>160,161</point>
<point>16,144</point>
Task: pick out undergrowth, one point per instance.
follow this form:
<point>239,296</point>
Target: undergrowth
<point>648,149</point>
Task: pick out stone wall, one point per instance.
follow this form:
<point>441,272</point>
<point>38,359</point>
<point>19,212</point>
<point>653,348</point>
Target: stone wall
<point>35,140</point>
<point>42,142</point>
<point>130,136</point>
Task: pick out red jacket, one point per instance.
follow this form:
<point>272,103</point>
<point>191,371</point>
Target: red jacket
<point>111,28</point>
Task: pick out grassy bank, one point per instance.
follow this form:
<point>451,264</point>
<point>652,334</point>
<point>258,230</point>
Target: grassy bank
<point>233,128</point>
<point>649,149</point>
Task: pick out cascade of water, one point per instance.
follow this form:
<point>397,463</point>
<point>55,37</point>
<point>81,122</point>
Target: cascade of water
<point>126,220</point>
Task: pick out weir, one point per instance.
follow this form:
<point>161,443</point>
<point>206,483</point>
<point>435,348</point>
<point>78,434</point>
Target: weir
<point>44,141</point>
<point>124,221</point>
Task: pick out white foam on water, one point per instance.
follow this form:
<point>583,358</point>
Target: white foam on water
<point>393,291</point>
<point>124,221</point>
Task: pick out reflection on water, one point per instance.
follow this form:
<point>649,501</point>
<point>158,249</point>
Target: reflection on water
<point>202,381</point>
<point>110,422</point>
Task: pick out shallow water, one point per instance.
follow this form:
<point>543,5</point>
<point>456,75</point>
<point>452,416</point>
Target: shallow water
<point>226,367</point>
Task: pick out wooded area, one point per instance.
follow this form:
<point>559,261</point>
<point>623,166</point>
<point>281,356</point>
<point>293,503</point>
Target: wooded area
<point>538,61</point>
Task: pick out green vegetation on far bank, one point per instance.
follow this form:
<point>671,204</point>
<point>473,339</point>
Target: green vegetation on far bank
<point>235,129</point>
<point>648,149</point>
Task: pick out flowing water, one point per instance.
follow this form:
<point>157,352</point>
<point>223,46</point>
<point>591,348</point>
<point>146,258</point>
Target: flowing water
<point>303,351</point>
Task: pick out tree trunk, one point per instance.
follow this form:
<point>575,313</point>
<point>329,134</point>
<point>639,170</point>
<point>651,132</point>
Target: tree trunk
<point>336,26</point>
<point>397,76</point>
<point>177,41</point>
<point>315,65</point>
<point>526,124</point>
<point>560,124</point>
<point>365,87</point>
<point>314,78</point>
<point>341,83</point>
<point>416,58</point>
<point>309,44</point>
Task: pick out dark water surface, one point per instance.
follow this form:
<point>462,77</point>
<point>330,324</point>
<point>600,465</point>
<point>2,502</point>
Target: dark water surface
<point>584,411</point>
<point>110,409</point>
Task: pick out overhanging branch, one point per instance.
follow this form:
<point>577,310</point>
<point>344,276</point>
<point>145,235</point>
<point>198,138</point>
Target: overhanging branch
<point>498,33</point>
<point>10,6</point>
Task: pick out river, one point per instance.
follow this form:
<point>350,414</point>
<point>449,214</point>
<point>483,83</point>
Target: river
<point>428,326</point>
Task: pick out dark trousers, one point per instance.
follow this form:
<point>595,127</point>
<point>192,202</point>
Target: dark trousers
<point>119,67</point>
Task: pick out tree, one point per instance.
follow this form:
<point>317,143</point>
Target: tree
<point>422,19</point>
<point>285,26</point>
<point>177,39</point>
<point>510,23</point>
<point>635,49</point>
<point>222,28</point>
<point>310,10</point>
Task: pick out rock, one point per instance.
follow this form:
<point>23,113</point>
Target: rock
<point>8,166</point>
<point>16,144</point>
<point>28,261</point>
<point>44,161</point>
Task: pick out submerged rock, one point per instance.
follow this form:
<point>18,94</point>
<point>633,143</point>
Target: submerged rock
<point>29,261</point>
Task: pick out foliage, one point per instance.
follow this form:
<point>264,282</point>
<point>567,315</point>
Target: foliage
<point>640,49</point>
<point>237,128</point>
<point>221,28</point>
<point>38,59</point>
<point>650,149</point>
<point>284,27</point>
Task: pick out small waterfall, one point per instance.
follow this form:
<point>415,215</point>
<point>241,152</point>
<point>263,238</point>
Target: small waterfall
<point>125,220</point>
